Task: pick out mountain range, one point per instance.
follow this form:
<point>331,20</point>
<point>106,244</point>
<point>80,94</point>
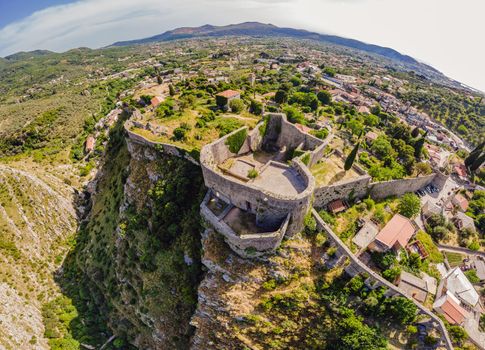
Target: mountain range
<point>257,29</point>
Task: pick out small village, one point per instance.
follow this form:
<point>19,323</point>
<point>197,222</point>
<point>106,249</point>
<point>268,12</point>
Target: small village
<point>398,190</point>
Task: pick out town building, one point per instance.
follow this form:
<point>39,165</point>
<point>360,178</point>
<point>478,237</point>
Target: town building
<point>449,306</point>
<point>395,235</point>
<point>225,97</point>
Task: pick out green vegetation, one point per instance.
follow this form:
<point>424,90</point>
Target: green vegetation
<point>409,205</point>
<point>451,109</point>
<point>236,140</point>
<point>454,259</point>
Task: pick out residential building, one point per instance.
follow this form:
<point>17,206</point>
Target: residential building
<point>365,235</point>
<point>463,221</point>
<point>458,284</point>
<point>395,234</point>
<point>225,97</point>
<point>449,306</point>
<point>460,202</point>
<point>414,286</point>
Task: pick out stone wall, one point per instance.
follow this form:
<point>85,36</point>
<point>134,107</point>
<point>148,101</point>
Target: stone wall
<point>286,134</point>
<point>350,189</point>
<point>379,190</point>
<point>163,147</point>
<point>245,245</point>
<point>267,206</point>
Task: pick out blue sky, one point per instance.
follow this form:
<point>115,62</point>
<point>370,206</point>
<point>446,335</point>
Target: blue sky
<point>14,10</point>
<point>447,34</point>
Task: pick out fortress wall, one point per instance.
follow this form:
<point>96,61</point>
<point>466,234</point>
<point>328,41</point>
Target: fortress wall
<point>355,188</point>
<point>399,187</point>
<point>286,134</point>
<point>163,147</point>
<point>267,206</point>
<point>260,243</point>
<point>440,179</point>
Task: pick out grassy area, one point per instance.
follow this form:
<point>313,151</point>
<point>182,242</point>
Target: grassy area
<point>331,170</point>
<point>435,256</point>
<point>454,259</point>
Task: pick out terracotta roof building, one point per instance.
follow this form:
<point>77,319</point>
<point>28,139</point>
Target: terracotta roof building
<point>395,235</point>
<point>461,202</point>
<point>155,101</point>
<point>223,98</point>
<point>449,306</point>
<point>337,206</point>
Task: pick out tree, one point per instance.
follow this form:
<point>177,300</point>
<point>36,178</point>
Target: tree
<point>415,132</point>
<point>371,120</point>
<point>294,115</point>
<point>392,273</point>
<point>376,109</point>
<point>281,96</point>
<point>355,126</point>
<point>418,146</point>
<point>237,105</point>
<point>400,309</point>
<point>457,334</point>
<point>382,148</point>
<point>478,162</point>
<point>423,168</point>
<point>409,205</point>
<point>474,154</point>
<point>324,97</point>
<point>351,157</point>
<point>171,90</point>
<point>256,107</point>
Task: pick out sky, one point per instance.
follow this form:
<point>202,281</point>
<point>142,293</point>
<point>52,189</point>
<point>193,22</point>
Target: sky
<point>447,34</point>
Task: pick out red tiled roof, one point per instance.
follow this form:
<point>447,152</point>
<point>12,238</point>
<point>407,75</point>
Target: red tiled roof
<point>229,93</point>
<point>398,230</point>
<point>155,101</point>
<point>453,312</point>
<point>460,170</point>
<point>336,206</point>
<point>461,201</point>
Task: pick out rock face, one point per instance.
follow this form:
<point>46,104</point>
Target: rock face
<point>232,291</point>
<point>139,252</point>
<point>37,215</point>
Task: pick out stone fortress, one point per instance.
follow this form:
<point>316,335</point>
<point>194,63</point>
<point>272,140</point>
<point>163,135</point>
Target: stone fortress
<point>262,182</point>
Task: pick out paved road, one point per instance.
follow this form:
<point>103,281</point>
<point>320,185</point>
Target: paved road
<point>461,250</point>
<point>361,266</point>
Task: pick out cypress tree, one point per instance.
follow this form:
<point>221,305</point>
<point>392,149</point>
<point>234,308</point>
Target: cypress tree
<point>479,161</point>
<point>415,132</point>
<point>418,146</point>
<point>351,157</point>
<point>474,154</point>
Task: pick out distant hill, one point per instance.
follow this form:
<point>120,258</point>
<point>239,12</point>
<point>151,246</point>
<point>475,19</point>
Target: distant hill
<point>25,55</point>
<point>268,30</point>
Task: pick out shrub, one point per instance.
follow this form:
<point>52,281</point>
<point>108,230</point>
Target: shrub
<point>237,105</point>
<point>236,140</point>
<point>409,205</point>
<point>321,134</point>
<point>253,173</point>
<point>472,276</point>
<point>179,133</point>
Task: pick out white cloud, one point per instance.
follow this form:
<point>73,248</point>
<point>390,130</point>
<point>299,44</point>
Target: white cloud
<point>445,33</point>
